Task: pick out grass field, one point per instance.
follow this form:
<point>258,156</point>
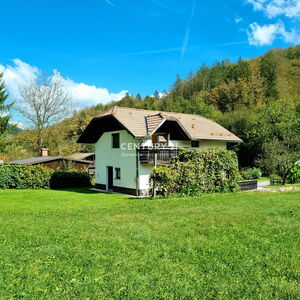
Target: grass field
<point>82,245</point>
<point>274,186</point>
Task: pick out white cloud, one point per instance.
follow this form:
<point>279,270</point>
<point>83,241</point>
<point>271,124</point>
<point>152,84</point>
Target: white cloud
<point>238,19</point>
<point>275,8</point>
<point>82,95</point>
<point>109,3</point>
<point>86,95</point>
<point>262,35</point>
<point>20,125</point>
<point>16,75</point>
<point>266,34</point>
<point>290,9</point>
<point>257,4</point>
<point>292,37</point>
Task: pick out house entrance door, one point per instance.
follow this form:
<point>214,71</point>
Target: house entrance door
<point>110,179</point>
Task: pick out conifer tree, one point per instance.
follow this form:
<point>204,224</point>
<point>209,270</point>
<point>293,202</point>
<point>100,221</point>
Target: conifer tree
<point>4,109</point>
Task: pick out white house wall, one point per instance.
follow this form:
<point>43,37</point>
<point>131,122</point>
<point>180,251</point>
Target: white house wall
<point>145,171</point>
<point>203,145</point>
<point>123,158</point>
<point>213,145</point>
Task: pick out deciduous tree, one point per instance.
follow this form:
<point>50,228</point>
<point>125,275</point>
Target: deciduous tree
<point>45,102</point>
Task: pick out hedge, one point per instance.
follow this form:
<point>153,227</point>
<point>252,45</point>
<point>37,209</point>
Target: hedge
<point>67,179</point>
<point>24,177</point>
<point>39,177</point>
<point>197,171</point>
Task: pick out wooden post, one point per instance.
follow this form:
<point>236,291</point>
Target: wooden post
<point>155,163</point>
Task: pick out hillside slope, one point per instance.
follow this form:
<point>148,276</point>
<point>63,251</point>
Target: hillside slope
<point>226,92</point>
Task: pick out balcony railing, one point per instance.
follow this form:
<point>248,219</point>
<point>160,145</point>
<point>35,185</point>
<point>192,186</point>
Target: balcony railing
<point>157,155</point>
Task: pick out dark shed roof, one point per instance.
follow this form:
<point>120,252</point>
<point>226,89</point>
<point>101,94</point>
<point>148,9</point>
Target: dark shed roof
<point>45,159</point>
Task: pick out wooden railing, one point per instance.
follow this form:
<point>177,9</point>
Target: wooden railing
<point>157,155</point>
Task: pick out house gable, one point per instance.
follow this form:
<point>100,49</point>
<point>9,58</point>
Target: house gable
<point>98,126</point>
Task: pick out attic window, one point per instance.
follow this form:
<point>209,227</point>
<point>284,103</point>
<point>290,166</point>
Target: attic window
<point>195,144</point>
<point>115,140</point>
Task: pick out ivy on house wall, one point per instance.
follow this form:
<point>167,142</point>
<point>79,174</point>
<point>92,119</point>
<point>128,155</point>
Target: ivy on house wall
<point>197,171</point>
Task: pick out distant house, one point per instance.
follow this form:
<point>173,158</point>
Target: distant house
<point>83,156</point>
<point>130,142</point>
<point>86,156</point>
<point>54,162</point>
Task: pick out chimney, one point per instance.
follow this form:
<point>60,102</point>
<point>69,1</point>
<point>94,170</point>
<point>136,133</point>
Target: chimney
<point>44,151</point>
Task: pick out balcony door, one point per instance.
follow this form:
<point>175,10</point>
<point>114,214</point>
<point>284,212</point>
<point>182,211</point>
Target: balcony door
<point>160,139</point>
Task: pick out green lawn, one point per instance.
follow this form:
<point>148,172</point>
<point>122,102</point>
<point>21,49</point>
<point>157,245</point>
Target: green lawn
<point>263,179</point>
<point>83,245</point>
<point>275,186</point>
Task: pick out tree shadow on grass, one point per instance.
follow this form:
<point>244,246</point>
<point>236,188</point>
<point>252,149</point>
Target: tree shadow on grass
<point>85,190</point>
<point>91,191</point>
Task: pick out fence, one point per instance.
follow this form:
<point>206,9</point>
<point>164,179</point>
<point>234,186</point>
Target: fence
<point>248,185</point>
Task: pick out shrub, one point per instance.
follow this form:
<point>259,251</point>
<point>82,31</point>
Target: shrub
<point>163,180</point>
<point>251,173</point>
<point>24,177</point>
<point>198,171</point>
<point>294,175</point>
<point>69,179</point>
<point>275,177</point>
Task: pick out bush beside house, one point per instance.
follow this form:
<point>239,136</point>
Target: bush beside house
<point>39,177</point>
<point>198,171</point>
<point>69,179</point>
<point>24,177</point>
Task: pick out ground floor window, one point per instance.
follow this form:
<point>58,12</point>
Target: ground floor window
<point>118,173</point>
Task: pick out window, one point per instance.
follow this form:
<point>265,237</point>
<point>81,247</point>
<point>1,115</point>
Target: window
<point>195,144</point>
<point>115,140</point>
<point>118,173</point>
<point>160,139</point>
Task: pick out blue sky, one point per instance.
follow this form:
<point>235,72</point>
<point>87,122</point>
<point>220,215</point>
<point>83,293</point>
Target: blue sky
<point>104,48</point>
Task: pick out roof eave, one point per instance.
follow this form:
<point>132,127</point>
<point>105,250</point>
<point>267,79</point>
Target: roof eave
<point>219,140</point>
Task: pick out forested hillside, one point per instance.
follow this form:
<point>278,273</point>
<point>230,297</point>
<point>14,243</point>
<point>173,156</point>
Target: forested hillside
<point>257,99</point>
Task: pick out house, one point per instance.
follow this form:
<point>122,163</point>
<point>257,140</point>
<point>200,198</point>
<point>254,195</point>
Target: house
<point>86,156</point>
<point>83,156</point>
<point>129,142</point>
<point>54,162</point>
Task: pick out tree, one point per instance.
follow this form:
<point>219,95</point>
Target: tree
<point>4,108</point>
<point>269,71</point>
<point>44,103</point>
<point>156,95</point>
<point>278,159</point>
<point>138,96</point>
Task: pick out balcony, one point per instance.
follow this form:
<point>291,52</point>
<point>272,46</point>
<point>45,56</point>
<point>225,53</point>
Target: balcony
<point>162,155</point>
